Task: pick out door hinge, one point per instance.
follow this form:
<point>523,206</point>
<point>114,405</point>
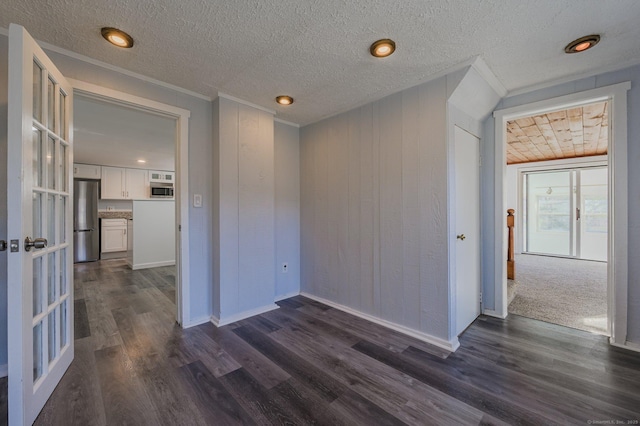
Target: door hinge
<point>3,245</point>
<point>179,228</point>
<point>480,297</point>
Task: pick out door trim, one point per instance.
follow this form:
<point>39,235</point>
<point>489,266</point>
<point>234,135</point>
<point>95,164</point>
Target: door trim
<point>183,300</point>
<point>617,265</point>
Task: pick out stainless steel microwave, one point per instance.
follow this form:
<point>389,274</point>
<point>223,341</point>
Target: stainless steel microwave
<point>161,190</point>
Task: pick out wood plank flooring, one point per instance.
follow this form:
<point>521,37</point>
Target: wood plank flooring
<point>307,363</point>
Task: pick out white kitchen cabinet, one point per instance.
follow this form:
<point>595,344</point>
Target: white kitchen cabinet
<point>112,186</point>
<point>114,235</point>
<point>136,184</point>
<point>87,171</point>
<point>124,184</point>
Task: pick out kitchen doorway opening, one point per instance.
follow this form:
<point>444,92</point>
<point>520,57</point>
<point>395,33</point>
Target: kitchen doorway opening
<point>181,185</point>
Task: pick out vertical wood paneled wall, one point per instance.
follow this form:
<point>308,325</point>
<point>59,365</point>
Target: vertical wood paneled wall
<point>245,209</point>
<point>374,209</point>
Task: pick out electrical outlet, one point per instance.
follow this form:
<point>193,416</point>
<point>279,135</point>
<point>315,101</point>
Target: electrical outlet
<point>285,267</point>
<point>110,208</point>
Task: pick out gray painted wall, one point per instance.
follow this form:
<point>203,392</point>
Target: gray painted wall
<point>244,156</point>
<point>4,52</point>
<point>374,220</point>
<point>287,187</point>
<point>630,74</point>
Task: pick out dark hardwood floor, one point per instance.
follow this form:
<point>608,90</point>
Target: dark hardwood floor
<point>306,363</point>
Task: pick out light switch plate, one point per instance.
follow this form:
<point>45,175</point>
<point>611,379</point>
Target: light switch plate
<point>197,200</point>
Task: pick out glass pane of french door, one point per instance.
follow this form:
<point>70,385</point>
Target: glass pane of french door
<point>51,324</point>
<point>548,211</point>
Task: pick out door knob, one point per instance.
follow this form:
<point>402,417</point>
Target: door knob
<point>461,237</point>
<point>38,243</point>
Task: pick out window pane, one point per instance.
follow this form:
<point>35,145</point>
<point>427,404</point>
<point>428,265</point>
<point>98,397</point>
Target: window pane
<point>63,116</point>
<point>51,104</point>
<point>51,278</point>
<point>51,161</point>
<point>63,271</point>
<point>548,217</point>
<point>62,178</point>
<point>64,336</point>
<point>37,157</point>
<point>53,344</point>
<point>37,92</point>
<point>37,351</point>
<point>61,219</point>
<point>37,214</point>
<point>37,285</point>
<point>51,222</point>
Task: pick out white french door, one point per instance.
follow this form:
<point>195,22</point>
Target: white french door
<point>40,284</point>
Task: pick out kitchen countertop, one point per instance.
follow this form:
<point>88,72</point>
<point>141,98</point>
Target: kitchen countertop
<point>115,215</point>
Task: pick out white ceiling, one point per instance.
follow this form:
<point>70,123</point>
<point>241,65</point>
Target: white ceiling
<point>317,51</point>
<point>114,135</point>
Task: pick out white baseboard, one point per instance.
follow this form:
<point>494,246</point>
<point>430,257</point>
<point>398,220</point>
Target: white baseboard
<point>197,321</point>
<point>286,296</point>
<point>153,265</point>
<point>492,313</point>
<point>449,345</point>
<point>219,322</point>
<point>4,370</point>
<point>627,345</point>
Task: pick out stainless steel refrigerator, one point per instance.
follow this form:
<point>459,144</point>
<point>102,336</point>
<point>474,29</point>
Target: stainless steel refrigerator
<point>86,234</point>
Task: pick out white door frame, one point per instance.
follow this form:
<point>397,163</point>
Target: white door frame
<point>617,265</point>
<point>183,311</point>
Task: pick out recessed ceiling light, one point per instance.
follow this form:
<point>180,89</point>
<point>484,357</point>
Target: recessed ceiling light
<point>142,161</point>
<point>284,100</point>
<point>383,48</point>
<point>117,37</point>
<point>582,44</point>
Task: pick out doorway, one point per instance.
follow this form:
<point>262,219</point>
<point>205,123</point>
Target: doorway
<point>617,271</point>
<point>181,118</point>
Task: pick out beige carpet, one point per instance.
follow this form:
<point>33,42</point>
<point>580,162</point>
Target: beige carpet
<point>568,292</point>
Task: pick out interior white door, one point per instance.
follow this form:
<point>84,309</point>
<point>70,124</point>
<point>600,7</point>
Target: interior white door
<point>39,164</point>
<point>467,226</point>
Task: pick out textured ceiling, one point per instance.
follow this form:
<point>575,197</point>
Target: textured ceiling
<point>576,132</point>
<point>317,51</point>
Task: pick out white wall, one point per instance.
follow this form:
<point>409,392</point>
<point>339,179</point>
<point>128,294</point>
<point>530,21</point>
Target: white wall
<point>244,202</point>
<point>287,203</point>
<point>374,231</point>
<point>154,236</point>
<point>631,74</point>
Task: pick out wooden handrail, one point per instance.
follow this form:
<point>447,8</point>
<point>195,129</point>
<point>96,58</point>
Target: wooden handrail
<point>511,264</point>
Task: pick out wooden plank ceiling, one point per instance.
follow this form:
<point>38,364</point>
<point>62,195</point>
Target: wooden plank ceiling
<point>576,132</point>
